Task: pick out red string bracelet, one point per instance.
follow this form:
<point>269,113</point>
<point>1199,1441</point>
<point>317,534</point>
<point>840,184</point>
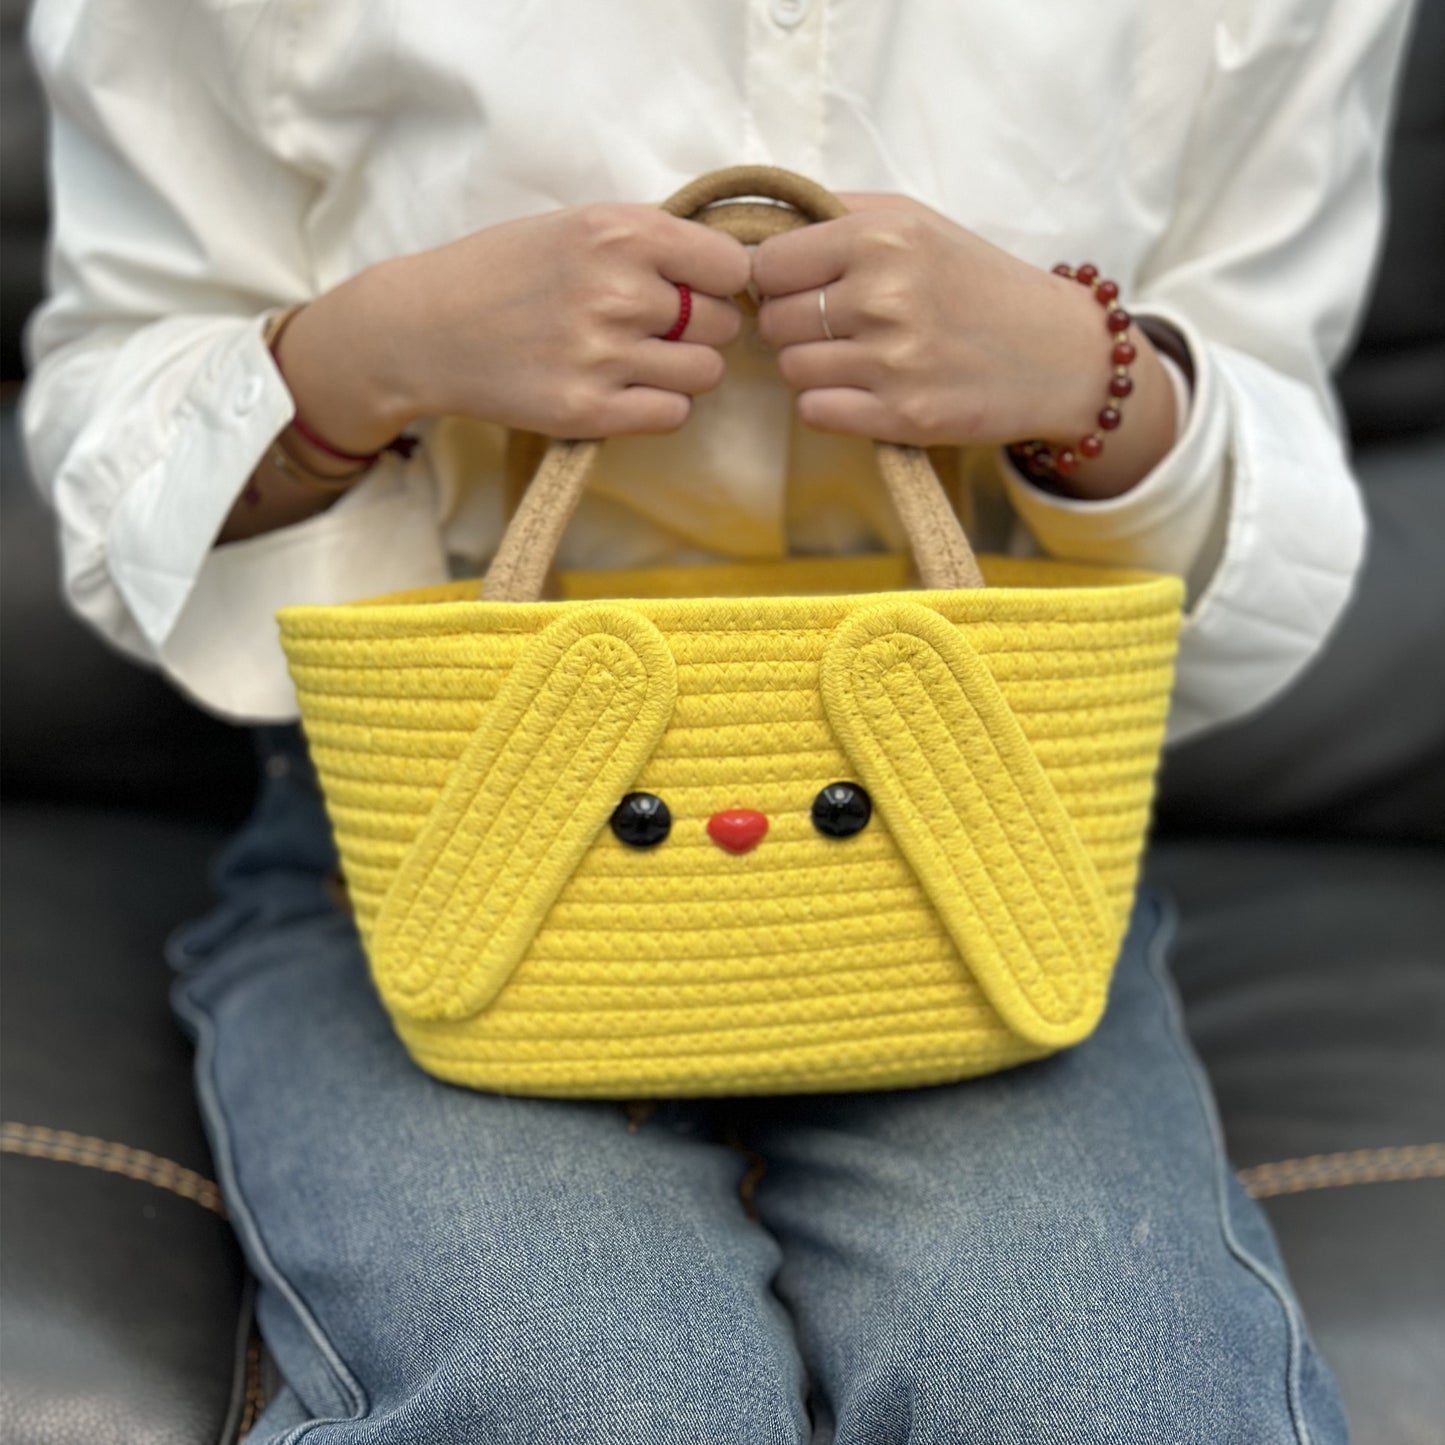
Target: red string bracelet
<point>1039,460</point>
<point>402,446</point>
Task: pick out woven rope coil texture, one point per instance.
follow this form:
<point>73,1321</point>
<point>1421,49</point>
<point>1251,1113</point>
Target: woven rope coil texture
<point>471,753</point>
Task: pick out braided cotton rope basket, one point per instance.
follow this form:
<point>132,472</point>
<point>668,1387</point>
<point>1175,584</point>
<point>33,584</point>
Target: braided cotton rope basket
<point>472,752</point>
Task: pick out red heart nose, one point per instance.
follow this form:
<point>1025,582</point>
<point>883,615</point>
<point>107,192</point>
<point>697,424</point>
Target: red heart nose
<point>737,829</point>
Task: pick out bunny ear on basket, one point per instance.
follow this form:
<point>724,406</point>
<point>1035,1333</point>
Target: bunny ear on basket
<point>963,793</point>
<point>941,552</point>
<point>578,716</point>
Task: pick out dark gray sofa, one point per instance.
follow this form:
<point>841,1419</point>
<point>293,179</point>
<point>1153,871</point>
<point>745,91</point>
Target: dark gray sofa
<point>1303,848</point>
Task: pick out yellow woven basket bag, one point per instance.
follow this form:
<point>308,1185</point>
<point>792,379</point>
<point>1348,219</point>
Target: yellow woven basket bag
<point>811,825</point>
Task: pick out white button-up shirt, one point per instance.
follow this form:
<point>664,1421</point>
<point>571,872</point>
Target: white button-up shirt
<point>214,160</point>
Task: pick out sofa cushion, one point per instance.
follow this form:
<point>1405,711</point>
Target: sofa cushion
<point>1357,745</point>
<point>1314,986</point>
<point>79,722</point>
<point>126,1308</point>
<point>1394,385</point>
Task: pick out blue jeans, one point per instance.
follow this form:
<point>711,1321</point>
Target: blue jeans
<point>1054,1254</point>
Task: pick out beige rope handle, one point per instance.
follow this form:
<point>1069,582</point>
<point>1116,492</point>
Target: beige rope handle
<point>941,551</point>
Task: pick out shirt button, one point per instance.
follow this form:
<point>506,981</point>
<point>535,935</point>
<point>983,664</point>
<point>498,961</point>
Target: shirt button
<point>248,395</point>
<point>789,13</point>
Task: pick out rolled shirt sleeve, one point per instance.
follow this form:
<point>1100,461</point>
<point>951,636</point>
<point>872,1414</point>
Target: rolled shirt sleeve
<point>152,395</point>
<point>1263,273</point>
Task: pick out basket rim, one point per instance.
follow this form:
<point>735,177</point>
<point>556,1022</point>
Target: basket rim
<point>1046,590</point>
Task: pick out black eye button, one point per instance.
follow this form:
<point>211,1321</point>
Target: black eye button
<point>641,820</point>
<point>841,810</point>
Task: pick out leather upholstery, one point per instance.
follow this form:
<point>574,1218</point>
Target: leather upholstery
<point>123,1302</point>
<point>132,1331</point>
<point>22,197</point>
<point>1357,746</point>
<point>1313,975</point>
<point>1394,386</point>
<point>81,724</point>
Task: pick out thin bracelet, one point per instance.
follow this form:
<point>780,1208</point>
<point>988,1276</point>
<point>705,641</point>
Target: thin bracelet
<point>402,446</point>
<point>285,463</point>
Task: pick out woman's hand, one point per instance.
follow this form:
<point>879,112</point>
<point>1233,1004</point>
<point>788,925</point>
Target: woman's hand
<point>553,323</point>
<point>944,339</point>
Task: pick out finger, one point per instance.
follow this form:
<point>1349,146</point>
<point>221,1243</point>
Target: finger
<point>852,411</point>
<point>713,322</point>
<point>802,260</point>
<point>640,409</point>
<point>697,256</point>
<point>826,364</point>
<point>675,366</point>
<point>797,319</point>
<point>876,201</point>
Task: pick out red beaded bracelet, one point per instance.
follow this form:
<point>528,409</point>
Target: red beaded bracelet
<point>1038,458</point>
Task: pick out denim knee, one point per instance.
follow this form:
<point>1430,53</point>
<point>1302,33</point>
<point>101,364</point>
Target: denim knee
<point>1087,1366</point>
<point>667,1387</point>
<point>931,1402</point>
<point>508,1369</point>
<point>480,1393</point>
